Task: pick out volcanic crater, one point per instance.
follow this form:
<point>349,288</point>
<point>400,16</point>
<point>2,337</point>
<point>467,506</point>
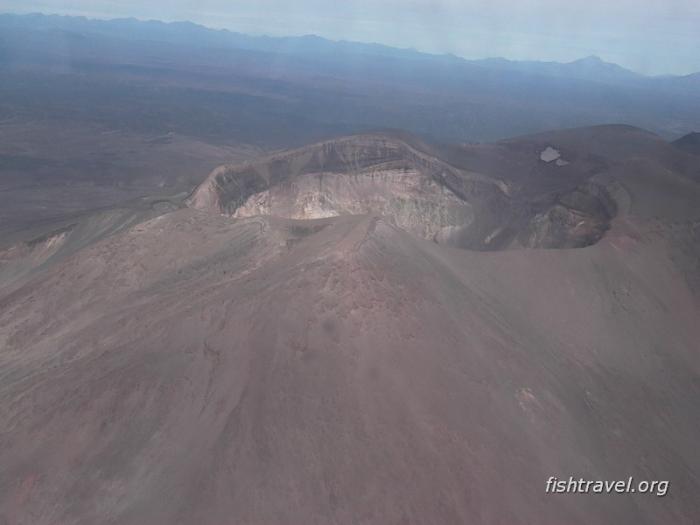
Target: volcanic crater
<point>410,184</point>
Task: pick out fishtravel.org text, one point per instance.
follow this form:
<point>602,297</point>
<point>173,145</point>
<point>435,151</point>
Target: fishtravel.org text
<point>572,485</point>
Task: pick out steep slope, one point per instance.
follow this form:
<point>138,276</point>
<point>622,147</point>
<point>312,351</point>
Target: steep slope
<point>200,370</point>
<point>39,246</point>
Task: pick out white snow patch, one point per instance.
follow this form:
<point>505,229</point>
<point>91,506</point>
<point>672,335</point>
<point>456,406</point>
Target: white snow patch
<point>550,154</point>
<point>493,235</point>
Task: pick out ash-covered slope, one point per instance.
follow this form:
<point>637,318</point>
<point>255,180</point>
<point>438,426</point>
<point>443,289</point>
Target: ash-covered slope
<point>200,370</point>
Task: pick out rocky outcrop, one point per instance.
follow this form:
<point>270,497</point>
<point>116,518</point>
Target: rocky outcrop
<point>579,218</point>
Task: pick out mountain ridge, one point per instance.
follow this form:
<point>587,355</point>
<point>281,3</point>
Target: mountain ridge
<point>295,44</point>
<point>276,93</point>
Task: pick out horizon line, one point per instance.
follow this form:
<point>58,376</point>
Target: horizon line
<point>342,41</point>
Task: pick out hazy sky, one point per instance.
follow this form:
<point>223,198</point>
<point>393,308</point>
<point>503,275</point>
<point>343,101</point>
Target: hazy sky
<point>650,36</point>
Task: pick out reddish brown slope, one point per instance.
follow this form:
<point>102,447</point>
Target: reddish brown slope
<point>201,370</point>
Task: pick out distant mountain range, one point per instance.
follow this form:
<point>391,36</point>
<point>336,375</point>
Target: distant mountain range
<point>289,91</point>
<point>188,33</point>
<point>588,68</point>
